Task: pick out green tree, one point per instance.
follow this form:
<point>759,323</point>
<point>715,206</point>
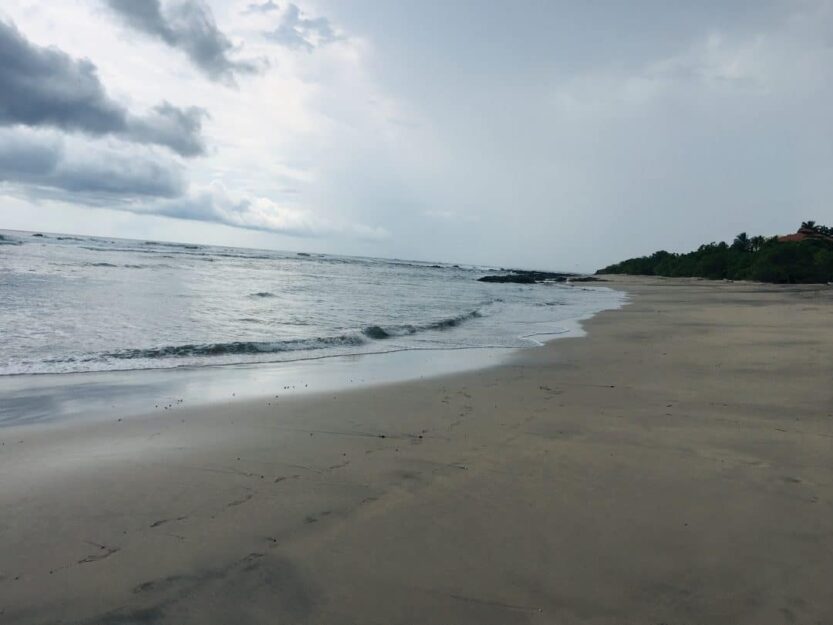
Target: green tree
<point>742,243</point>
<point>756,258</point>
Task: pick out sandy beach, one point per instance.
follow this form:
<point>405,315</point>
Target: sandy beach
<point>674,466</point>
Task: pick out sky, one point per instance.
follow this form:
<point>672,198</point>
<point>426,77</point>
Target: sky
<point>539,133</point>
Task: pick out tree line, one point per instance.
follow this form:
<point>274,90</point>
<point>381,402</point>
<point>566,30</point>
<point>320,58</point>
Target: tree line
<point>763,259</point>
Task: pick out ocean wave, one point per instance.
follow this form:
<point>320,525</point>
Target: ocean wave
<point>185,246</point>
<point>380,333</point>
<point>210,255</point>
<point>243,256</point>
<point>242,348</point>
<point>376,332</point>
<point>221,349</point>
<point>199,252</point>
<point>113,265</point>
<point>452,322</point>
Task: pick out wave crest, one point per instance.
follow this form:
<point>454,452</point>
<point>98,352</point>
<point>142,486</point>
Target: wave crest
<point>222,349</point>
<point>379,333</point>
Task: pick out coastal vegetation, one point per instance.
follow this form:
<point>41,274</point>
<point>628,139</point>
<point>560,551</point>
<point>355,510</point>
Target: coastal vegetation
<point>804,257</point>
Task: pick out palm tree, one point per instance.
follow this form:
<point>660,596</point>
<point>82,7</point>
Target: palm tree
<point>808,225</point>
<point>756,243</point>
<point>742,242</point>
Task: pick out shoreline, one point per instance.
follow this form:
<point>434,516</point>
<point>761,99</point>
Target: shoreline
<point>47,398</point>
<point>671,466</point>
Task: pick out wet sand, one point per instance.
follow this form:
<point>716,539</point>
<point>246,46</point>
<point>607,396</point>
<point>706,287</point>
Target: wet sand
<point>674,466</point>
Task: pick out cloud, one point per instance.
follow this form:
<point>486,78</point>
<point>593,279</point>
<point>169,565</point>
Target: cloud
<point>299,32</point>
<point>189,26</point>
<point>45,163</point>
<point>47,87</point>
<point>176,128</point>
<point>215,203</point>
<point>64,139</point>
<point>44,86</point>
<point>265,7</point>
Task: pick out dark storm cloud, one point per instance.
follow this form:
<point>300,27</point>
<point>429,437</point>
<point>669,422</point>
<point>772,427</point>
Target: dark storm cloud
<point>190,27</point>
<point>45,87</point>
<point>44,163</point>
<point>179,129</point>
<point>299,32</point>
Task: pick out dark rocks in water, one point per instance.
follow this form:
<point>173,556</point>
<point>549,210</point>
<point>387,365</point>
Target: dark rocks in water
<point>519,276</point>
<point>514,278</point>
<point>301,254</point>
<point>587,279</point>
<point>37,234</point>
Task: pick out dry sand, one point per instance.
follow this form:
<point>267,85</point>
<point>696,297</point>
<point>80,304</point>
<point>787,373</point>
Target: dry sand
<point>675,466</point>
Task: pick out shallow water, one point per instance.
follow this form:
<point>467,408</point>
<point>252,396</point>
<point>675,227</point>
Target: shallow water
<point>72,304</point>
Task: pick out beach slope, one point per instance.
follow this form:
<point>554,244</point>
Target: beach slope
<point>674,466</point>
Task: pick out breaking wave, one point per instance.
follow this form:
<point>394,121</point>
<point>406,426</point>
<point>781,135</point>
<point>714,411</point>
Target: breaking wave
<point>269,347</point>
<point>222,349</point>
<point>380,333</point>
<point>4,240</point>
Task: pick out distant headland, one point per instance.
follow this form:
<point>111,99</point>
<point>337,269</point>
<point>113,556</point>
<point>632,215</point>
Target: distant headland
<point>805,257</point>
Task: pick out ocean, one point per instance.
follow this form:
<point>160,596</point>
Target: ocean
<point>72,304</point>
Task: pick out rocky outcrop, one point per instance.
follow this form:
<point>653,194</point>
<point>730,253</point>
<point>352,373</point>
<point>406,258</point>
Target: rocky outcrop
<point>519,276</point>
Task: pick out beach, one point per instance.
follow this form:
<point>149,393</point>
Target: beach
<point>673,466</point>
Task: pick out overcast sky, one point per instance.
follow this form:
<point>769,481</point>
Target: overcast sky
<point>551,134</point>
